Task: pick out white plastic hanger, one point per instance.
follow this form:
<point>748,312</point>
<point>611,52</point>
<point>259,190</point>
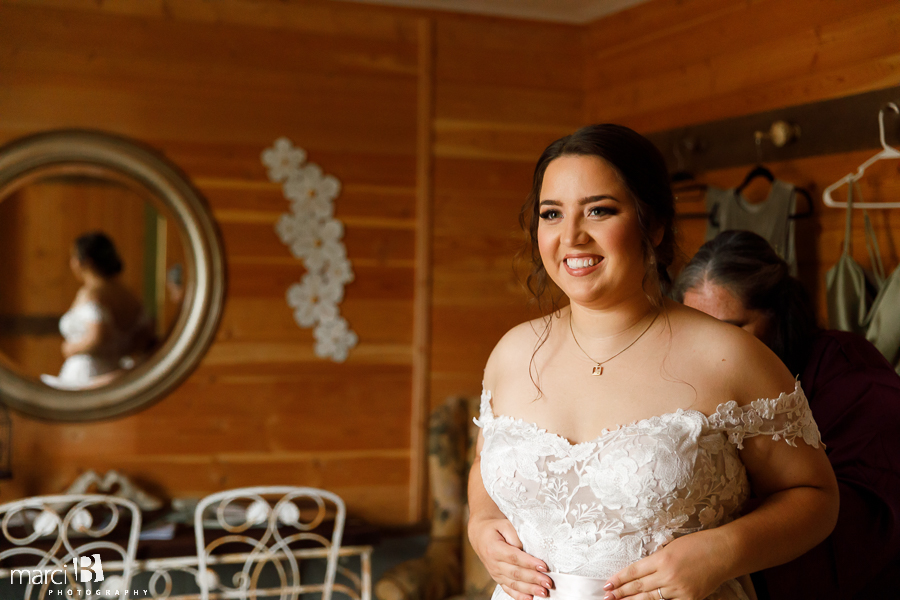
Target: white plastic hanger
<point>887,152</point>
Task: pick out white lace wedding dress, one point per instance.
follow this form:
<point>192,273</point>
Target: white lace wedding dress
<point>79,370</point>
<point>588,510</point>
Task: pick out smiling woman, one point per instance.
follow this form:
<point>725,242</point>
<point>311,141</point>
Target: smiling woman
<point>627,480</point>
<point>565,229</point>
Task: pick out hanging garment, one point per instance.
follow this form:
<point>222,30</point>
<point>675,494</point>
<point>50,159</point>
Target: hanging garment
<point>846,287</point>
<point>771,218</point>
<point>868,306</point>
<point>882,324</point>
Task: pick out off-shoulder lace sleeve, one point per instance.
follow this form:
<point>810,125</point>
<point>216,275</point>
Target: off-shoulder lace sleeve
<point>90,312</point>
<point>786,417</point>
<point>486,413</point>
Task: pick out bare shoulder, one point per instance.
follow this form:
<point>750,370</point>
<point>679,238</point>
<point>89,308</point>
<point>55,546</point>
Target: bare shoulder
<point>510,359</point>
<point>86,294</point>
<point>724,359</point>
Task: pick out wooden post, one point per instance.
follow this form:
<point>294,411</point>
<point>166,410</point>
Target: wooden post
<point>421,365</point>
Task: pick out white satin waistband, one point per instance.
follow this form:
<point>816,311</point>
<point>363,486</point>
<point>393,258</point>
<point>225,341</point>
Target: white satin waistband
<point>576,587</point>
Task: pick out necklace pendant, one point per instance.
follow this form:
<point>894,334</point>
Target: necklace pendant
<point>597,371</point>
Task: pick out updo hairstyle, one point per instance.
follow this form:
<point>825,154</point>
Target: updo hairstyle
<point>96,251</point>
<point>642,170</point>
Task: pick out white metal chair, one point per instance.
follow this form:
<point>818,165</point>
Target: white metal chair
<point>285,519</point>
<point>62,541</point>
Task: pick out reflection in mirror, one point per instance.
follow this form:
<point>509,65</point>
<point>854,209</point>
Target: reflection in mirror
<point>92,281</point>
<point>129,335</point>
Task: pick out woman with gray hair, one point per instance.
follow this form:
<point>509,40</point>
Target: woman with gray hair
<point>854,395</point>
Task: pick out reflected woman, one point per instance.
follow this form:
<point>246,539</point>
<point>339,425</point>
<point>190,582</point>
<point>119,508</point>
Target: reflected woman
<point>106,328</point>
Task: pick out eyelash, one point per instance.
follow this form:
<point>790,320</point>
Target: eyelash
<point>603,211</point>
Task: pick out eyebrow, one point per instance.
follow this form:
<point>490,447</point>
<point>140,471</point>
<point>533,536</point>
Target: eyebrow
<point>583,201</point>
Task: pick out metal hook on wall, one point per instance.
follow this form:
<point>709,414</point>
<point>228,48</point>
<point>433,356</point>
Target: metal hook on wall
<point>758,137</point>
<point>781,133</point>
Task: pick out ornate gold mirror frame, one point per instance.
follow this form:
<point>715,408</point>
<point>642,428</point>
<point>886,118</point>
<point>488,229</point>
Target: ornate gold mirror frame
<point>195,327</point>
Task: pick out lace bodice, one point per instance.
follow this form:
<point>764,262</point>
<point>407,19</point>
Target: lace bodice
<point>74,324</point>
<point>79,370</point>
<point>592,508</point>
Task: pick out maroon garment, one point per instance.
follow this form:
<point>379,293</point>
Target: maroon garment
<point>855,398</point>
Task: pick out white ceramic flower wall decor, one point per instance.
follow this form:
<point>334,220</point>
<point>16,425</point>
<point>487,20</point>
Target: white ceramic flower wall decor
<point>314,236</point>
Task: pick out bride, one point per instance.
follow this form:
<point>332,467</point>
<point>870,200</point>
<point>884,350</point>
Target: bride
<point>106,329</point>
<point>623,433</point>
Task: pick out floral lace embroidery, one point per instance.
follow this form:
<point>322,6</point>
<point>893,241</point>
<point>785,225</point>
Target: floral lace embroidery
<point>786,417</point>
<point>593,508</point>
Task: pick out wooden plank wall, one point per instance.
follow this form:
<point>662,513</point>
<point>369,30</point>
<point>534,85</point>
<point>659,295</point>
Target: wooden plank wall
<point>504,91</point>
<point>670,63</point>
<point>211,85</point>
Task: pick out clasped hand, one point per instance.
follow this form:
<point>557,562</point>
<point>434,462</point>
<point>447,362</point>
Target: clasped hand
<point>688,568</point>
<point>498,546</point>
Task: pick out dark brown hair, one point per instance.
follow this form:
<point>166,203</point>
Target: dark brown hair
<point>97,251</point>
<point>746,265</point>
<point>642,170</point>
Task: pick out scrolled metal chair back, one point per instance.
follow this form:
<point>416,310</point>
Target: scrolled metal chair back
<point>63,540</point>
<point>277,525</point>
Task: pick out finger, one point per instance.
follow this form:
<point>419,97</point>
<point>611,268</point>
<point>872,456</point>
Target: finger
<point>636,589</point>
<point>651,595</point>
<point>525,561</point>
<point>514,594</point>
<point>516,557</point>
<point>528,581</point>
<point>635,570</point>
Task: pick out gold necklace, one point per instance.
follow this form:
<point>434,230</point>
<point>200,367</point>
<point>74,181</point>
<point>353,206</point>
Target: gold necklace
<point>598,368</point>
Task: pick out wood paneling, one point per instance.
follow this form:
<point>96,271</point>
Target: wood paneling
<point>666,64</point>
<point>211,86</point>
<point>433,123</point>
<point>709,60</point>
<point>505,90</point>
<point>421,358</point>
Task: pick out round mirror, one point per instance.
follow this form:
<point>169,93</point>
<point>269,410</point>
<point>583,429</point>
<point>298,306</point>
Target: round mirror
<point>114,276</point>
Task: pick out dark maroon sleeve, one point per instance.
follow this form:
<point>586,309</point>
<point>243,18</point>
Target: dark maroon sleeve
<point>855,398</point>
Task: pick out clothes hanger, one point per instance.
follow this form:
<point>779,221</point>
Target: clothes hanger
<point>679,190</point>
<point>755,173</point>
<point>887,153</point>
<point>683,181</point>
<point>762,171</point>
